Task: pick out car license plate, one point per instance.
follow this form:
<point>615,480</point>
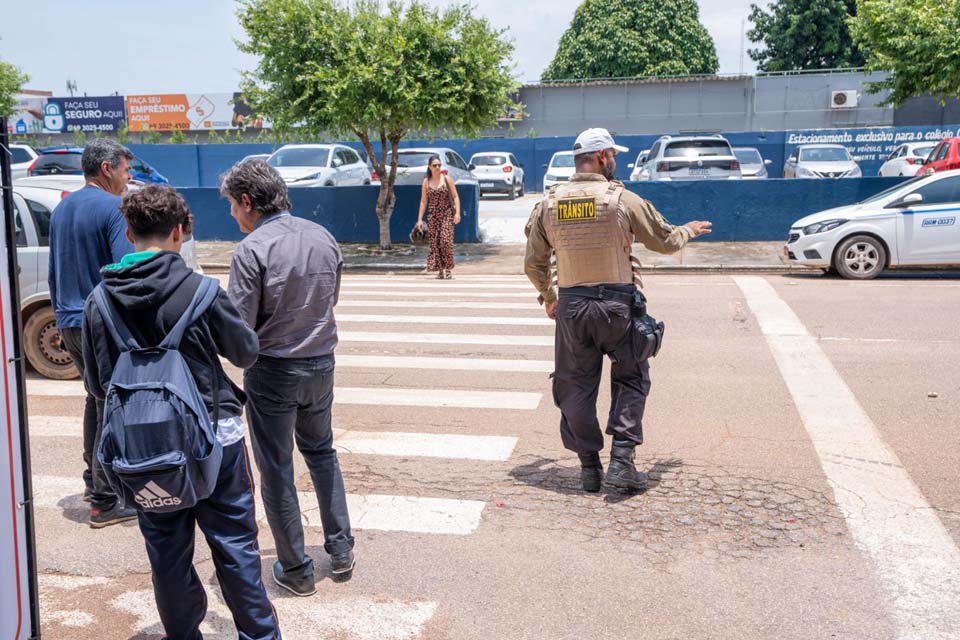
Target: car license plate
<point>486,184</point>
<point>700,171</point>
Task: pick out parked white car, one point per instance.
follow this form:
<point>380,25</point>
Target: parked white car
<point>912,224</point>
<point>21,157</point>
<point>906,159</point>
<point>34,200</point>
<point>319,165</point>
<point>752,164</point>
<point>498,172</point>
<point>560,168</point>
<point>412,165</point>
<point>821,161</point>
<point>690,158</point>
<point>636,167</point>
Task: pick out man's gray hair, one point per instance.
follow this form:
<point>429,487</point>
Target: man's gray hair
<point>261,182</point>
<point>102,150</point>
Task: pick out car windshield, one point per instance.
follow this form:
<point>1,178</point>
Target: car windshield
<point>697,149</point>
<point>886,192</point>
<point>824,154</point>
<point>923,152</point>
<point>299,158</point>
<point>748,156</point>
<point>414,158</point>
<point>562,161</point>
<point>488,161</point>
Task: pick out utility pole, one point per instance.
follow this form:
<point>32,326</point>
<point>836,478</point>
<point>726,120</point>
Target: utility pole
<point>71,86</point>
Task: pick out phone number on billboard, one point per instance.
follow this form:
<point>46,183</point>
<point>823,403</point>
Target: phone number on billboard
<point>91,127</point>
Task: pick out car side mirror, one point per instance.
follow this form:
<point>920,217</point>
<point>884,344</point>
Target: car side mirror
<point>544,166</point>
<point>908,200</point>
<point>631,166</point>
<point>768,162</point>
<point>337,162</point>
<point>471,166</point>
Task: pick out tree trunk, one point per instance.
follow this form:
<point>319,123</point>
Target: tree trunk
<point>385,203</point>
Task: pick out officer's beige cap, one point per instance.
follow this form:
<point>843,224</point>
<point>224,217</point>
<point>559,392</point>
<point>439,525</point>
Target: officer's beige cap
<point>593,140</point>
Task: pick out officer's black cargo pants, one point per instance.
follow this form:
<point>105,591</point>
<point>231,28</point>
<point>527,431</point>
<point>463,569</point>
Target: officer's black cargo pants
<point>587,329</point>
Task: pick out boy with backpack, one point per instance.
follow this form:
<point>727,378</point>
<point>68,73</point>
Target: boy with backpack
<point>173,441</point>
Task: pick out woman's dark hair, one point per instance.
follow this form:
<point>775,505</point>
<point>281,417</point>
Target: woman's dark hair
<point>430,162</point>
<point>154,211</point>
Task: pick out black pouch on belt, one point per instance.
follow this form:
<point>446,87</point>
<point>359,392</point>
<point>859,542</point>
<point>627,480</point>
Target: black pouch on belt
<point>647,332</point>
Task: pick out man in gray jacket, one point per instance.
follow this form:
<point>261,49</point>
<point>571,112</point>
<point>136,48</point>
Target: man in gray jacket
<point>285,281</point>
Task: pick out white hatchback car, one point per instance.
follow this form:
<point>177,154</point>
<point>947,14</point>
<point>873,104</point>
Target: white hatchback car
<point>319,165</point>
<point>560,169</point>
<point>906,159</point>
<point>498,172</point>
<point>22,157</point>
<point>690,158</point>
<point>913,224</point>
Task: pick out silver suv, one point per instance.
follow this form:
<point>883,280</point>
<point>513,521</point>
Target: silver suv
<point>412,165</point>
<point>690,158</point>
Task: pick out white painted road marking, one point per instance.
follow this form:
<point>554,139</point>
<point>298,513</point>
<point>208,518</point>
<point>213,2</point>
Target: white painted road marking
<point>393,294</point>
<point>402,397</point>
<point>381,512</point>
<point>428,284</point>
<point>405,319</point>
<point>437,398</point>
<point>917,560</point>
<point>427,445</point>
<point>421,304</point>
<point>445,338</point>
<point>439,363</point>
<point>357,617</point>
<point>382,443</point>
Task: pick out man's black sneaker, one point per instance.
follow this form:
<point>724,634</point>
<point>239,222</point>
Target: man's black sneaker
<point>100,518</point>
<point>342,563</point>
<point>87,495</point>
<point>622,474</point>
<point>591,472</point>
<point>297,586</point>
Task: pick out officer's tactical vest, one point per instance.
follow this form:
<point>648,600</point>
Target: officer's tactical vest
<point>582,223</point>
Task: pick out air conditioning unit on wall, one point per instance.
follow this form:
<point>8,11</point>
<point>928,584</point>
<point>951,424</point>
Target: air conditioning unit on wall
<point>844,99</point>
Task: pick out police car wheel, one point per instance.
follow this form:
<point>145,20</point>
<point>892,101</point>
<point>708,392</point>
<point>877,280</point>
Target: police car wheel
<point>860,258</point>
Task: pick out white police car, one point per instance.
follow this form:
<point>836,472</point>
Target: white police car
<point>913,224</point>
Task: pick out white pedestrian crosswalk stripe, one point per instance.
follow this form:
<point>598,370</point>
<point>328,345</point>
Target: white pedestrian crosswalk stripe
<point>394,294</point>
<point>446,305</point>
<point>411,514</point>
<point>445,338</point>
<point>451,364</point>
<point>405,319</point>
<point>382,443</point>
<point>349,284</point>
<point>401,397</point>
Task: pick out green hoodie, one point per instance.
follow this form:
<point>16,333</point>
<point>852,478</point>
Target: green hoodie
<point>131,258</point>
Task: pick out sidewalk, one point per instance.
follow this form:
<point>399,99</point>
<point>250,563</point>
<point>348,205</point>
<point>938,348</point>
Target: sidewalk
<point>508,258</point>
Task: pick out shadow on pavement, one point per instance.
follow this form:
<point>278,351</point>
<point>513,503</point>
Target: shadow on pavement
<point>547,474</point>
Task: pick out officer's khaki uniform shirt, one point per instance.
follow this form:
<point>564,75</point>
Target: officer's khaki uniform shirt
<point>636,214</point>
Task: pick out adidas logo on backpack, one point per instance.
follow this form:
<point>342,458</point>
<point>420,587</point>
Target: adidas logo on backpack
<point>159,449</point>
<point>152,496</point>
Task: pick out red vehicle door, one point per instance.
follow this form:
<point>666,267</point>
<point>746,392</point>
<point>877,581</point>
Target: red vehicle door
<point>938,159</point>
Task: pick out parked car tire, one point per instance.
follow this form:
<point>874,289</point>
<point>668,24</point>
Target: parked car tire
<point>43,348</point>
<point>512,194</point>
<point>860,258</point>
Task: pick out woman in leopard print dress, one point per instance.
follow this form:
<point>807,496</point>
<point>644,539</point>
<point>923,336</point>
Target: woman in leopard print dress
<point>439,196</point>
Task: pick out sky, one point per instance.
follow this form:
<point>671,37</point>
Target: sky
<point>188,46</point>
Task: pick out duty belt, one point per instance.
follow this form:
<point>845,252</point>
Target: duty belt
<point>622,292</point>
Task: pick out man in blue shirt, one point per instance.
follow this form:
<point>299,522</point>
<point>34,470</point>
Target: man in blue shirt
<point>87,232</point>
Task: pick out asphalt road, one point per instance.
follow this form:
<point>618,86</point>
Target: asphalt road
<point>801,438</point>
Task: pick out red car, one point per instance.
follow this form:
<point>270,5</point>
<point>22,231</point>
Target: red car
<point>944,157</point>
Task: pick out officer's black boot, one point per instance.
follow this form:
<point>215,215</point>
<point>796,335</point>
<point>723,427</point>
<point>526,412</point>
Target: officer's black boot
<point>622,474</point>
<point>591,471</point>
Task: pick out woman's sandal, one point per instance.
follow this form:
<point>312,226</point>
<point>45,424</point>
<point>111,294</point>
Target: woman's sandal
<point>448,275</point>
<point>440,275</point>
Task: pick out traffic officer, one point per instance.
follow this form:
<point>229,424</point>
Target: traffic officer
<point>589,224</point>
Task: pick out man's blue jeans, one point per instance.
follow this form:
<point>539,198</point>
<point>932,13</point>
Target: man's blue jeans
<point>290,400</point>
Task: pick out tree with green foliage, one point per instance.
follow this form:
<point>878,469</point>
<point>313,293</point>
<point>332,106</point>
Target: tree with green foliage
<point>804,34</point>
<point>916,42</point>
<point>630,38</point>
<point>374,71</point>
<point>11,82</point>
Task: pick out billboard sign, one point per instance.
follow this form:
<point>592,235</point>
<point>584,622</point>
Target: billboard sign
<point>189,112</point>
<point>89,115</point>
